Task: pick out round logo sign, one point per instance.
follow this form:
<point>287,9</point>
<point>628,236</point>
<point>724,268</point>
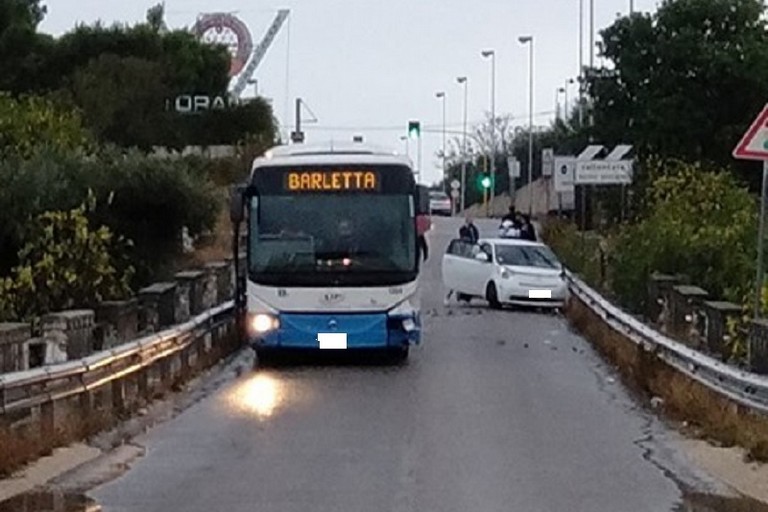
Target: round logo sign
<point>230,31</point>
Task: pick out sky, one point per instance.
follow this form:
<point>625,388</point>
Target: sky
<point>367,67</point>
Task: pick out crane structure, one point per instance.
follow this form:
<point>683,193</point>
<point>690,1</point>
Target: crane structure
<point>259,52</point>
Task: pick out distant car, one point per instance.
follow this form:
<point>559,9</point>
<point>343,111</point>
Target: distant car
<point>440,203</point>
<point>505,271</point>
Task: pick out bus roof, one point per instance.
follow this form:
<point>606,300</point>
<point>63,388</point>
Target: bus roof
<point>330,154</point>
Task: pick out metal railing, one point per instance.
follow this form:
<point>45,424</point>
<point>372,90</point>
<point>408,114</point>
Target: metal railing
<point>171,354</point>
<point>746,388</point>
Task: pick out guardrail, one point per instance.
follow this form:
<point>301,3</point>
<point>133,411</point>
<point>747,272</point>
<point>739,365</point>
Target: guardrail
<point>49,406</point>
<point>745,388</point>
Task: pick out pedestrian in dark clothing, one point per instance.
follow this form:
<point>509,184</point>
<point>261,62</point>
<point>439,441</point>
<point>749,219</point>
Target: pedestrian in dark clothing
<point>528,231</point>
<point>511,216</point>
<point>469,231</point>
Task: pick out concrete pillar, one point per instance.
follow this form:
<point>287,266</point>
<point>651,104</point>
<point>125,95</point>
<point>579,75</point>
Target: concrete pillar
<point>158,303</point>
<point>14,355</point>
<point>70,332</point>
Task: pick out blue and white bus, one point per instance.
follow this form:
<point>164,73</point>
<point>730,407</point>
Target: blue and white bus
<point>332,258</point>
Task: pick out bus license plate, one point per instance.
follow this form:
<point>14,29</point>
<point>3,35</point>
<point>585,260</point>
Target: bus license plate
<point>332,340</point>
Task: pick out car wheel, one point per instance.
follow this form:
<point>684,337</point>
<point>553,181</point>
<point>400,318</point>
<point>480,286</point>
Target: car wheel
<point>492,296</point>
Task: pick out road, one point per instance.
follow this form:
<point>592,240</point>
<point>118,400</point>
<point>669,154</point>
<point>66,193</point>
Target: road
<point>496,411</point>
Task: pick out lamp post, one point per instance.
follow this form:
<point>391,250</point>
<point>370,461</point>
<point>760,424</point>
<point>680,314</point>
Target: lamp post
<point>441,96</point>
<point>462,80</point>
<point>529,41</point>
<point>558,90</point>
<point>492,55</point>
<point>567,83</point>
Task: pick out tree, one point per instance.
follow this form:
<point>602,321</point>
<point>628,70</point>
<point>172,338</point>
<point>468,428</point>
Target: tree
<point>20,45</point>
<point>684,82</point>
<point>123,100</point>
<point>30,123</point>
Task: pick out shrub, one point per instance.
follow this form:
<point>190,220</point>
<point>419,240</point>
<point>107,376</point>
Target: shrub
<point>144,199</point>
<point>699,223</point>
<point>66,264</point>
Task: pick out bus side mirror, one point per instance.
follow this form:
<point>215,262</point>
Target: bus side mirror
<point>236,203</point>
<point>422,203</point>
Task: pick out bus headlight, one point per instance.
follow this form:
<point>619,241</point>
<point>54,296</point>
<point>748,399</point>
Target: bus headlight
<point>262,323</point>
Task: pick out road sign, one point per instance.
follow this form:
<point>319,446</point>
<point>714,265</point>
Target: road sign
<point>590,152</point>
<point>455,185</point>
<point>547,161</point>
<point>455,193</point>
<point>754,144</point>
<point>602,172</point>
<point>513,164</point>
<point>564,170</point>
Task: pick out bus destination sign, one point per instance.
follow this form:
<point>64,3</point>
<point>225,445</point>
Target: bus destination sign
<point>331,181</point>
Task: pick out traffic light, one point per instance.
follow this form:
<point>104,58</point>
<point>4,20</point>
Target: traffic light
<point>483,181</point>
<point>414,129</point>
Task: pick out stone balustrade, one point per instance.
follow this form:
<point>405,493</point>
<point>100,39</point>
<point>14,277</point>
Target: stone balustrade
<point>67,335</point>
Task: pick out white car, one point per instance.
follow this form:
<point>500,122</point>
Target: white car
<point>505,271</point>
<point>440,203</point>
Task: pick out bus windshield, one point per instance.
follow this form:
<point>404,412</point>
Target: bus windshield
<point>332,239</point>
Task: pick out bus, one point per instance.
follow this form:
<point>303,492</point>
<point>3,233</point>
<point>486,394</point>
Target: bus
<point>332,259</point>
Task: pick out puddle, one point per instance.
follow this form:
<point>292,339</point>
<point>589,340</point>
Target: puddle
<point>48,501</point>
<point>700,502</point>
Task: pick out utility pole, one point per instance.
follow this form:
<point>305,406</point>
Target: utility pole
<point>297,137</point>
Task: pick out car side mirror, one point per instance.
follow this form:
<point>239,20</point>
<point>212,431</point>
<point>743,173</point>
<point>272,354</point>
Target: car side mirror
<point>236,203</point>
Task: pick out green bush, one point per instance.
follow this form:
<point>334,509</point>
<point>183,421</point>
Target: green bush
<point>144,199</point>
<point>66,264</point>
<point>698,223</point>
<point>30,123</point>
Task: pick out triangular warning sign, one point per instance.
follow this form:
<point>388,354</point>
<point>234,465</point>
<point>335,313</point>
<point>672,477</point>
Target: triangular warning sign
<point>754,143</point>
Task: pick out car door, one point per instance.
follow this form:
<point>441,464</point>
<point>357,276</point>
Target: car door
<point>479,272</point>
<point>454,265</point>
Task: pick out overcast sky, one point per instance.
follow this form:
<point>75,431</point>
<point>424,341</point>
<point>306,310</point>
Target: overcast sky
<point>368,66</point>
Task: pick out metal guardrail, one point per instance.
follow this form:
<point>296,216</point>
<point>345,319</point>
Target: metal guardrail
<point>31,388</point>
<point>745,388</point>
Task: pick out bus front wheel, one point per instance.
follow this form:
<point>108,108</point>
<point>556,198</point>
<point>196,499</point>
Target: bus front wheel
<point>398,355</point>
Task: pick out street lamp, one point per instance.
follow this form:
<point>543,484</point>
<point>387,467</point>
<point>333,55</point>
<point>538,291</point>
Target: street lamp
<point>529,41</point>
<point>441,95</point>
<point>462,80</point>
<point>492,55</point>
<point>558,90</point>
<point>567,83</point>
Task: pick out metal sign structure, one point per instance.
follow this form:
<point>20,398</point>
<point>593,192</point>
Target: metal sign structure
<point>754,146</point>
<point>602,172</point>
<point>513,164</point>
<point>547,161</point>
<point>565,168</point>
<point>228,30</point>
<point>455,185</point>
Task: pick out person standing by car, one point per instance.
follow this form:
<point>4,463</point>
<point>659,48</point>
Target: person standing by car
<point>469,231</point>
<point>528,232</point>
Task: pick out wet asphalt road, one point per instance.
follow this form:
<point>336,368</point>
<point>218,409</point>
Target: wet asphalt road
<point>497,411</point>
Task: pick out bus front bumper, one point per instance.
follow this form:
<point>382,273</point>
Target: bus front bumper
<point>338,331</point>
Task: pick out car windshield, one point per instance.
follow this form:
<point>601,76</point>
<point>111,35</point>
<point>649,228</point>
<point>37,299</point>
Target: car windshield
<point>331,239</point>
<point>537,256</point>
<point>438,196</point>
